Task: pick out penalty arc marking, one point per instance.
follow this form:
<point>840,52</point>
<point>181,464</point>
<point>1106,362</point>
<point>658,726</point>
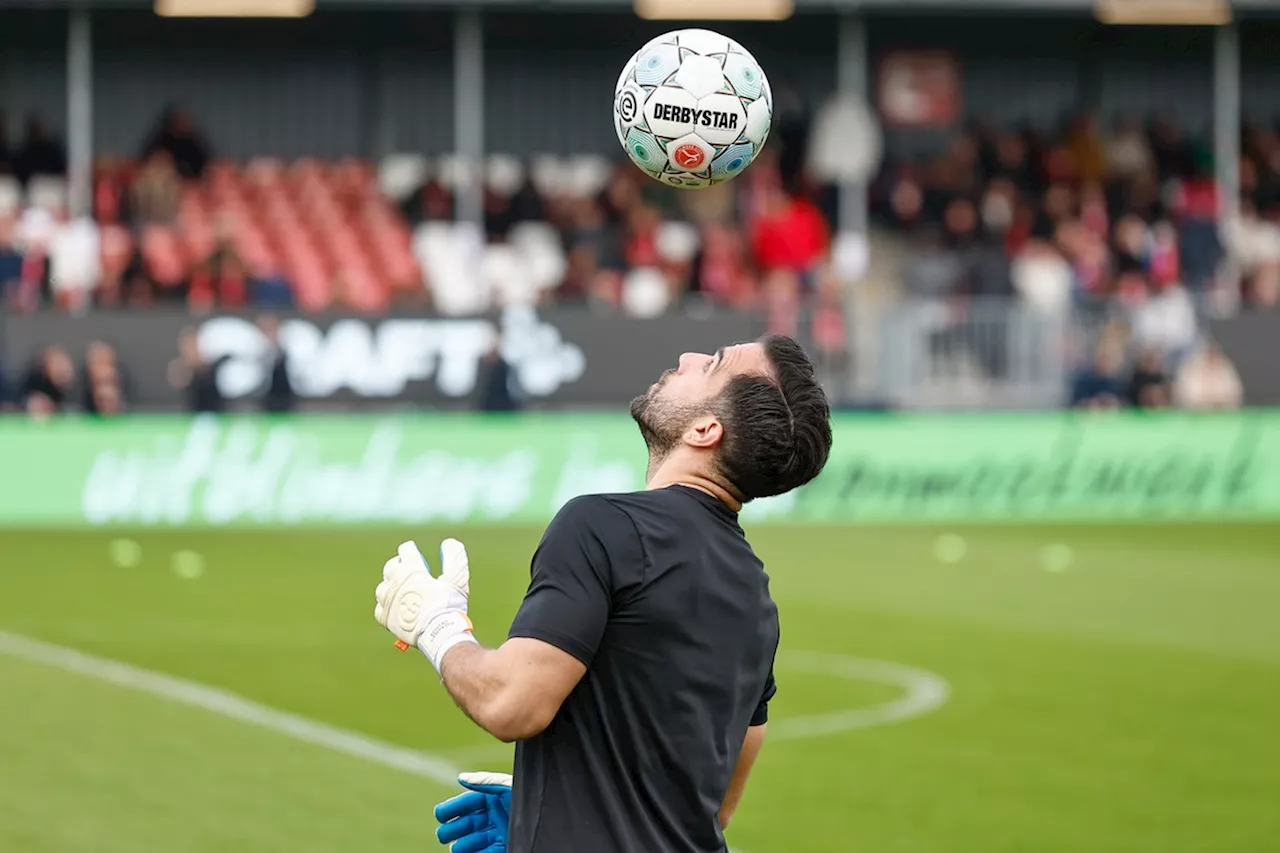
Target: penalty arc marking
<point>923,692</point>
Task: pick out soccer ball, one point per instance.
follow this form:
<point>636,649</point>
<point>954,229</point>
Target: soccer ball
<point>692,109</point>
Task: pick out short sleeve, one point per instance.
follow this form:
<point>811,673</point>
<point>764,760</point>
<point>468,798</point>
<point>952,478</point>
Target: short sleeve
<point>573,576</point>
<point>761,715</point>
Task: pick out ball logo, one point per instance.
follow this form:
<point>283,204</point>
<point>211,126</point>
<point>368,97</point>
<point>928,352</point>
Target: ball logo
<point>628,106</point>
<point>690,156</point>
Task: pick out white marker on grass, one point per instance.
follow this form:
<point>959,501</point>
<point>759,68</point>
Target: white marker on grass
<point>125,553</point>
<point>188,565</point>
<point>950,548</point>
<point>1056,558</point>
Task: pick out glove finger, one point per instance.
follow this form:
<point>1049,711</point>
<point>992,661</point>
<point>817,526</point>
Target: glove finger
<point>393,571</point>
<point>380,593</point>
<point>455,568</point>
<point>462,827</point>
<point>411,558</point>
<point>380,615</point>
<point>482,778</point>
<point>491,790</point>
<point>466,803</point>
<point>480,842</point>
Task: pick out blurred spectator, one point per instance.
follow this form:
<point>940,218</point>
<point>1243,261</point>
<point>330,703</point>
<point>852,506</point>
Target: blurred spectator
<point>40,153</point>
<point>10,257</point>
<point>221,279</point>
<point>1253,243</point>
<point>198,377</point>
<point>110,188</point>
<point>789,234</point>
<point>154,193</point>
<point>641,246</point>
<point>278,397</point>
<point>1088,153</point>
<point>621,195</point>
<point>1128,153</point>
<point>75,263</point>
<point>1100,385</point>
<point>1174,155</point>
<point>1013,164</point>
<point>1166,321</point>
<point>1208,380</point>
<point>780,291</point>
<point>430,203</point>
<point>177,135</point>
<point>1199,249</point>
<point>48,382</point>
<point>104,382</point>
<point>721,269</point>
<point>828,330</point>
<point>1149,387</point>
<point>161,273</point>
<point>526,204</point>
<point>497,383</point>
<point>712,205</point>
<point>1264,290</point>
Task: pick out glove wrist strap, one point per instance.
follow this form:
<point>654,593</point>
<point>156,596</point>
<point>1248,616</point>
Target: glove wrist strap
<point>443,633</point>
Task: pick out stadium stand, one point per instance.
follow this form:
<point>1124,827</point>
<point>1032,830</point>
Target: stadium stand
<point>1118,228</point>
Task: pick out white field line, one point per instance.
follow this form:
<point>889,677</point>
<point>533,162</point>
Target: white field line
<point>235,707</point>
<point>925,692</point>
<point>230,705</point>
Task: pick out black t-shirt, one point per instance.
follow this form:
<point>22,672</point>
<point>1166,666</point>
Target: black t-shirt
<point>660,595</point>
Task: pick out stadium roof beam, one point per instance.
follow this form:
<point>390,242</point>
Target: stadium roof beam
<point>1164,12</point>
<point>715,10</point>
<point>234,8</point>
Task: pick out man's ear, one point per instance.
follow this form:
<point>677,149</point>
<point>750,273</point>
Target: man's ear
<point>705,432</point>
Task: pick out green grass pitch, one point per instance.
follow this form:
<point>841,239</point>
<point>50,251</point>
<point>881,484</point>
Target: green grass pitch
<point>1111,688</point>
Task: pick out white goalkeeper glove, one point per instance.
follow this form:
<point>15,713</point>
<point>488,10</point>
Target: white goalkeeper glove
<point>422,610</point>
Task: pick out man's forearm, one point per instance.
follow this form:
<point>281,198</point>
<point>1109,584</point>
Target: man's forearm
<point>475,679</point>
<point>737,785</point>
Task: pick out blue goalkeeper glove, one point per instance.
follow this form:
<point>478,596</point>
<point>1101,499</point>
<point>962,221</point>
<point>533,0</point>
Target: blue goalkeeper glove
<point>476,821</point>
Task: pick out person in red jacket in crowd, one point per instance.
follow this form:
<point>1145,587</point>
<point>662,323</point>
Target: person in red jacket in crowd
<point>790,234</point>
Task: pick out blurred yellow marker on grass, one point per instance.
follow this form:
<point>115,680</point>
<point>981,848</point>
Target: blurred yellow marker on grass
<point>124,553</point>
<point>950,548</point>
<point>1056,558</point>
<point>188,565</point>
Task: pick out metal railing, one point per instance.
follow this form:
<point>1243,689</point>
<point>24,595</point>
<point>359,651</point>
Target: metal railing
<point>936,354</point>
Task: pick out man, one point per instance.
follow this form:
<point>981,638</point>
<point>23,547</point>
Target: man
<point>638,671</point>
<point>278,397</point>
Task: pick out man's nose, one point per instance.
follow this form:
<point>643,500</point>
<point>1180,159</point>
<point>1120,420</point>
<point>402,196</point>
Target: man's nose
<point>690,360</point>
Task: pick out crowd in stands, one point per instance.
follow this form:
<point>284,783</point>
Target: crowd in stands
<point>1113,224</point>
<point>179,226</point>
<point>1117,225</point>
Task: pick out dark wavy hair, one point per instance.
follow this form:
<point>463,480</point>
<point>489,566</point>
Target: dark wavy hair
<point>777,428</point>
